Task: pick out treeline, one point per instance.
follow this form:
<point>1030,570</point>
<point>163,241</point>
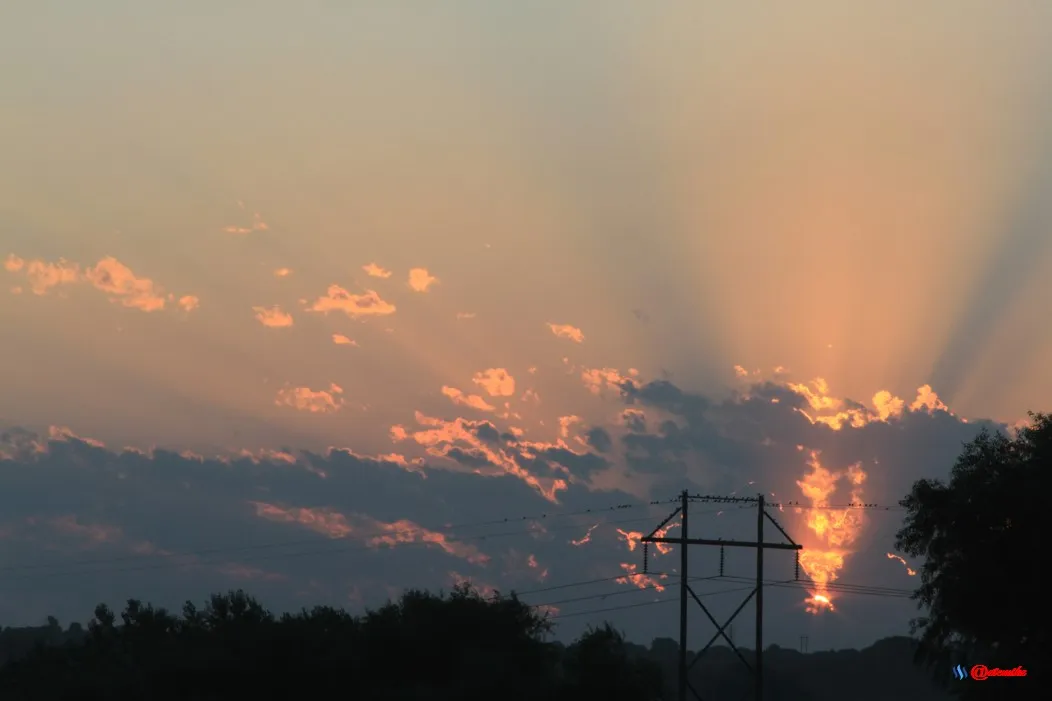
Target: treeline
<point>424,647</point>
<point>461,646</point>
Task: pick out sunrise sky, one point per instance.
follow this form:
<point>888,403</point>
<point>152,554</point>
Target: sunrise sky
<point>289,288</point>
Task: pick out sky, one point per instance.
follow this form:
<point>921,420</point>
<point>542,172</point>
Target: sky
<point>328,299</point>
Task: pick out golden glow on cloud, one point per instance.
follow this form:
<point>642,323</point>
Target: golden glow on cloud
<point>497,382</point>
<point>909,570</point>
<point>282,272</point>
<point>312,401</point>
<point>566,331</point>
<point>368,530</point>
<point>640,580</point>
<point>442,438</point>
<point>109,276</point>
<point>374,270</point>
<point>420,280</point>
<point>598,380</point>
<point>473,401</point>
<point>341,340</point>
<point>836,413</point>
<point>833,530</point>
<point>273,317</point>
<point>586,538</point>
<point>337,299</point>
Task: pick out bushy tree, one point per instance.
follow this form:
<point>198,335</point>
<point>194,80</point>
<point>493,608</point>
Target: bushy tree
<point>983,587</point>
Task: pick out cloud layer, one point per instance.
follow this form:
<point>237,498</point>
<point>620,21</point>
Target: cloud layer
<point>342,527</point>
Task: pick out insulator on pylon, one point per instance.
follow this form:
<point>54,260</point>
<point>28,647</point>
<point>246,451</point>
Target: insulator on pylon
<point>645,557</point>
<point>797,575</point>
<point>721,560</point>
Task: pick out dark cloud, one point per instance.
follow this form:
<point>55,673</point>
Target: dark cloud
<point>599,438</point>
<point>168,526</point>
<point>81,524</point>
<point>489,433</point>
<point>634,420</point>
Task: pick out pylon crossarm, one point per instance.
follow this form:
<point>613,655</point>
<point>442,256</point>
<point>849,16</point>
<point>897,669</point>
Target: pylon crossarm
<point>720,630</point>
<point>779,527</point>
<point>663,523</point>
<point>729,543</point>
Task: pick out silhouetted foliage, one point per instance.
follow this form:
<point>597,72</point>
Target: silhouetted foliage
<point>425,646</point>
<point>429,647</point>
<point>984,595</point>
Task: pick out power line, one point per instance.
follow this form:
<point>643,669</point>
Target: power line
<point>716,499</point>
<point>666,600</point>
<point>784,583</point>
<point>279,556</point>
<point>358,547</point>
<point>447,530</point>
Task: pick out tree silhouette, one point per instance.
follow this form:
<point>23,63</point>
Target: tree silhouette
<point>424,647</point>
<point>980,534</point>
<point>599,665</point>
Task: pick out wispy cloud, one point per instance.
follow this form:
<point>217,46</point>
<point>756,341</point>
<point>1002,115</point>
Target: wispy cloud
<point>567,331</point>
<point>473,401</point>
<point>110,276</point>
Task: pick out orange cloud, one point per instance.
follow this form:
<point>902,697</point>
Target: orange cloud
<point>836,413</point>
<point>188,303</point>
<point>465,315</point>
<point>368,530</point>
<point>13,263</point>
<point>643,581</point>
<point>496,381</point>
<point>109,276</point>
<point>834,530</point>
<point>273,317</point>
<point>473,401</point>
<point>312,401</point>
<point>420,280</point>
<point>634,538</point>
<point>117,280</point>
<point>586,538</point>
<point>282,272</point>
<point>337,299</point>
<point>341,340</point>
<point>374,270</point>
<point>909,570</point>
<point>599,379</point>
<point>568,332</point>
<point>445,438</point>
